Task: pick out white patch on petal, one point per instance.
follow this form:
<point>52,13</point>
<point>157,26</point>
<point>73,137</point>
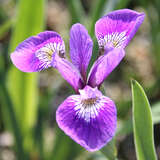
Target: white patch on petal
<point>45,53</point>
<point>116,38</point>
<point>87,112</point>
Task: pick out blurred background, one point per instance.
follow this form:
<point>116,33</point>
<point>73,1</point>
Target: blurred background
<point>28,102</point>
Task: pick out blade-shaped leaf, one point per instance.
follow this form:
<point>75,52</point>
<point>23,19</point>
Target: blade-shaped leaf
<point>22,86</point>
<point>142,124</point>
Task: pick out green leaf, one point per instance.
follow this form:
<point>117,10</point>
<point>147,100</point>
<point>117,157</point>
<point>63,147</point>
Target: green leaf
<point>142,124</point>
<point>22,86</point>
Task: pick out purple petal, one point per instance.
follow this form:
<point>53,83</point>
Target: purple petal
<point>80,48</point>
<point>104,65</point>
<point>69,72</point>
<point>118,27</point>
<point>36,53</point>
<point>90,125</point>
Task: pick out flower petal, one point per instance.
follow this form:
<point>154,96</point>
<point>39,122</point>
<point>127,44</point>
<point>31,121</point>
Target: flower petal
<point>118,27</point>
<point>91,126</point>
<point>80,48</point>
<point>93,134</point>
<point>36,53</point>
<point>69,72</point>
<point>104,65</point>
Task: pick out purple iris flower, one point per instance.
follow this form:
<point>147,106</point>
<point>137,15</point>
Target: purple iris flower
<point>88,117</point>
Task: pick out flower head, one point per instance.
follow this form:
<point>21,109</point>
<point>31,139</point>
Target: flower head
<point>88,117</point>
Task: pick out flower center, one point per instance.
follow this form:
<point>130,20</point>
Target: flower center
<point>89,102</point>
<point>116,38</point>
<point>45,54</point>
<point>88,109</point>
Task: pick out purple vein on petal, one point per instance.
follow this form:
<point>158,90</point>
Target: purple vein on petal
<point>89,118</point>
<point>80,48</point>
<point>36,53</point>
<point>104,65</point>
<point>118,27</point>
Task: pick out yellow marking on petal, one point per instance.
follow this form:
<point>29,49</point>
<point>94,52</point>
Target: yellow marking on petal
<point>115,43</point>
<point>117,39</point>
<point>89,102</point>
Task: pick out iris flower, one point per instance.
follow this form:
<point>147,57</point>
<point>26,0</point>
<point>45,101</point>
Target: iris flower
<point>88,117</point>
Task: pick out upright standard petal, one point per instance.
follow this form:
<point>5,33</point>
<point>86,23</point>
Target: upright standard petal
<point>89,120</point>
<point>80,48</point>
<point>69,72</point>
<point>104,65</point>
<point>118,27</point>
<point>36,53</point>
